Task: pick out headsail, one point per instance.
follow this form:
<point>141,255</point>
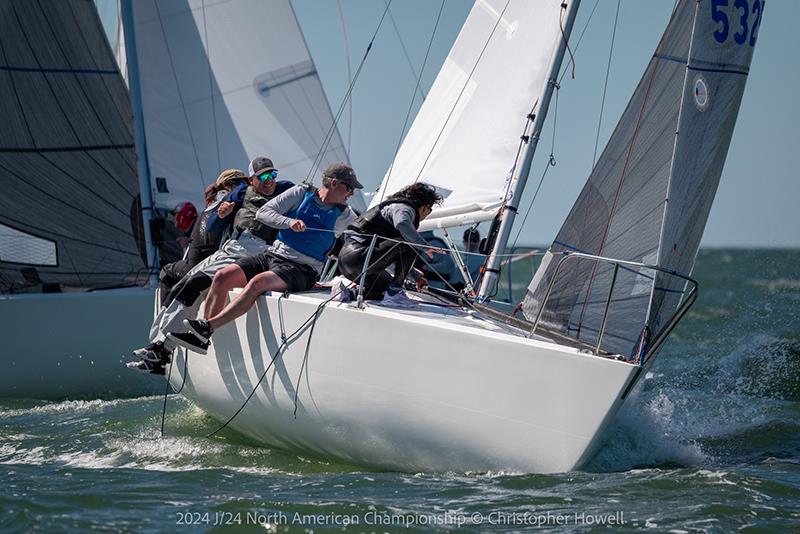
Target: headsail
<point>223,82</point>
<point>649,195</point>
<point>466,134</point>
<point>68,212</point>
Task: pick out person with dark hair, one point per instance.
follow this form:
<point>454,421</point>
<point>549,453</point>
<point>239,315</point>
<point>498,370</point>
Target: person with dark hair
<point>249,237</point>
<point>396,219</point>
<point>308,221</point>
<point>223,198</point>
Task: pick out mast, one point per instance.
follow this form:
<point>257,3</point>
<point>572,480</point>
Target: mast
<point>520,177</point>
<point>142,165</point>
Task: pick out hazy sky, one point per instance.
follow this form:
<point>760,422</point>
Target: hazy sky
<point>759,189</point>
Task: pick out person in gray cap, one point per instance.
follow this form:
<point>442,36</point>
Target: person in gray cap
<point>308,220</point>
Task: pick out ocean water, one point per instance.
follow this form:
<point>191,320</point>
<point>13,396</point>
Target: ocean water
<point>708,442</point>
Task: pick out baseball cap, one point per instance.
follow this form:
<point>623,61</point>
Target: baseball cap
<point>343,173</point>
<point>260,165</point>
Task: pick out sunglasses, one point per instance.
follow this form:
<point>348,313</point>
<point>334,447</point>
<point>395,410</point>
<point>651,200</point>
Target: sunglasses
<point>269,175</point>
<point>349,187</point>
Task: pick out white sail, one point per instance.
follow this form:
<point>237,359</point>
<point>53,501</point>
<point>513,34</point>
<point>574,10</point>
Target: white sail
<point>465,138</point>
<point>222,82</point>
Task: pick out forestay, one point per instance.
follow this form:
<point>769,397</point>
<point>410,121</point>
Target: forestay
<point>222,82</point>
<point>465,137</point>
<point>69,215</point>
<point>648,197</point>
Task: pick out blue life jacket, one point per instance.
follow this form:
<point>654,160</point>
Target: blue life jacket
<point>312,243</point>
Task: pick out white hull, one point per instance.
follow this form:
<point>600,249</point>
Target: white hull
<point>407,390</point>
<point>67,345</point>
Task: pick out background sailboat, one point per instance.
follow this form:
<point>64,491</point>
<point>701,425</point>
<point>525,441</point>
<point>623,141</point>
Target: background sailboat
<point>210,100</point>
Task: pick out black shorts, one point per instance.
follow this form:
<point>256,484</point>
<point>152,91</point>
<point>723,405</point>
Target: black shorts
<point>298,277</point>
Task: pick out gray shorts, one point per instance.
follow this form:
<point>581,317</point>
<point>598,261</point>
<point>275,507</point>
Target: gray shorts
<point>297,276</point>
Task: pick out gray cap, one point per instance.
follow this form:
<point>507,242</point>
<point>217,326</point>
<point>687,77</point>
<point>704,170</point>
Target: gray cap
<point>343,172</point>
<point>260,165</point>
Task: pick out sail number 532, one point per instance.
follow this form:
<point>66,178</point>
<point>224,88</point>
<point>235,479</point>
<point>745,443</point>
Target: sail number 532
<point>740,22</point>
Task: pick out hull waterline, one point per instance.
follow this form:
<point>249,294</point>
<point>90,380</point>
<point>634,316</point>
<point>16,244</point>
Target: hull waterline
<point>406,390</point>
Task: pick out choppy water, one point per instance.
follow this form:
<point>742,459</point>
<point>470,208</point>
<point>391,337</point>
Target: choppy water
<point>710,441</point>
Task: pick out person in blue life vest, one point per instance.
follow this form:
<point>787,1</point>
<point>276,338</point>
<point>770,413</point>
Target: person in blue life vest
<point>308,220</point>
<point>396,219</point>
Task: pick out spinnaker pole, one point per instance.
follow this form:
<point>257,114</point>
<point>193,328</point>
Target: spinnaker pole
<point>521,172</point>
<point>143,168</point>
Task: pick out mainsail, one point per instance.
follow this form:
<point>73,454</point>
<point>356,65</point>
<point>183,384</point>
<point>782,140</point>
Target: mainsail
<point>466,135</point>
<point>222,82</point>
<point>68,213</point>
<point>648,197</point>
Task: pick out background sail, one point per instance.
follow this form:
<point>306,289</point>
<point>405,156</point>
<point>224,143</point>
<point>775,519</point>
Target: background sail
<point>648,197</point>
<point>68,213</point>
<point>465,137</point>
<point>222,82</point>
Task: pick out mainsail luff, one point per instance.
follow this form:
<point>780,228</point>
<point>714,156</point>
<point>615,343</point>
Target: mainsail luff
<point>68,214</point>
<point>653,160</point>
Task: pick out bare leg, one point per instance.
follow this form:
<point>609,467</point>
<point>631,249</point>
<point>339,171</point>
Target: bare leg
<point>227,278</point>
<point>267,281</point>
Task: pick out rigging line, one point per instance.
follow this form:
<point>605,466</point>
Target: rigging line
<point>180,95</point>
<point>332,129</point>
<point>408,57</point>
<point>305,358</point>
<point>564,38</point>
<point>605,86</point>
<point>634,135</point>
<point>211,86</point>
<point>578,43</point>
<point>278,352</point>
<point>461,93</point>
<point>349,72</point>
<point>169,385</point>
<point>411,104</point>
<point>551,162</point>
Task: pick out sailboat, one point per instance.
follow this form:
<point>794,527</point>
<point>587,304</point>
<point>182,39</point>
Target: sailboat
<point>467,388</point>
<point>85,162</point>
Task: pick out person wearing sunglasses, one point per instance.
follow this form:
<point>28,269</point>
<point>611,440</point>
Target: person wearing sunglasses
<point>396,219</point>
<point>248,237</point>
<point>308,220</point>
